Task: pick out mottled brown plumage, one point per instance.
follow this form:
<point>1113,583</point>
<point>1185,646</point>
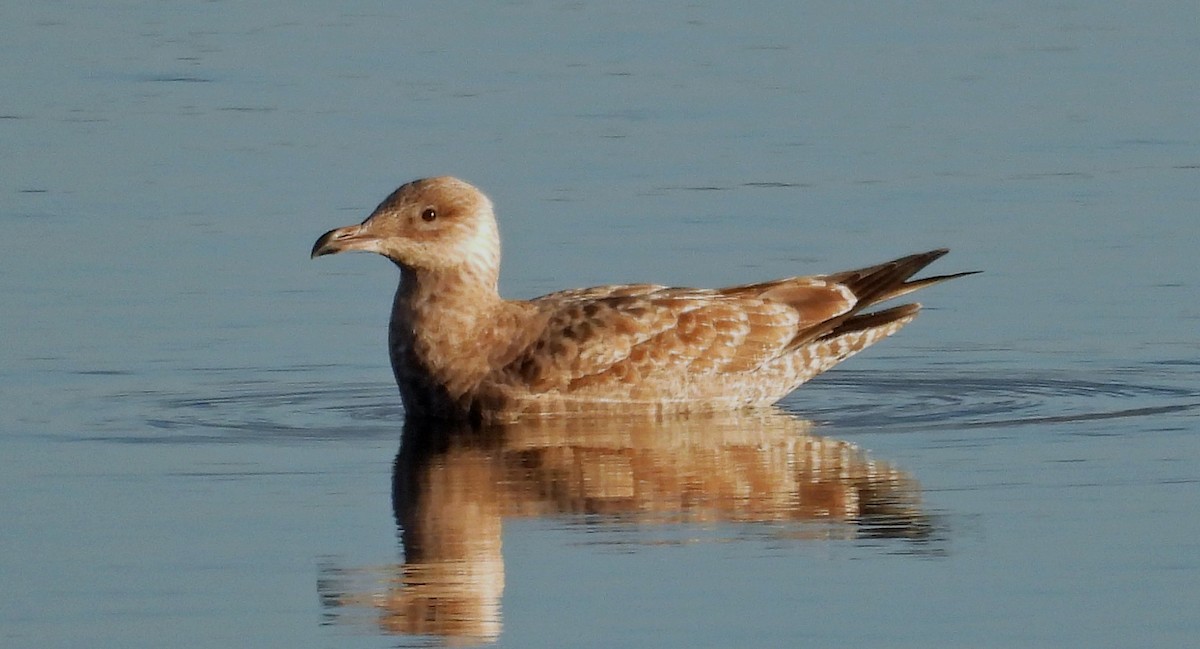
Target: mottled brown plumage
<point>459,350</point>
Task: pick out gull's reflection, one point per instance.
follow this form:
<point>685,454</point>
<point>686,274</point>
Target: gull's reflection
<point>453,487</point>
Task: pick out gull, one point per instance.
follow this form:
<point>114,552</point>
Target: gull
<point>461,352</point>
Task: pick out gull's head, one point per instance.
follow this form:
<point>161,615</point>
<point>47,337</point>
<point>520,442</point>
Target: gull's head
<point>433,224</point>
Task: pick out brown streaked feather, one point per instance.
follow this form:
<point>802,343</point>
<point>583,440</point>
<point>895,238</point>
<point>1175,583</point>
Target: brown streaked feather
<point>814,299</point>
<point>915,285</point>
<point>612,335</point>
<point>875,284</point>
<point>665,332</point>
<point>878,283</point>
<point>875,319</point>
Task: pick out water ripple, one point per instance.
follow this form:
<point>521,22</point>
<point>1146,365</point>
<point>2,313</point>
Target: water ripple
<point>261,410</point>
<point>977,400</point>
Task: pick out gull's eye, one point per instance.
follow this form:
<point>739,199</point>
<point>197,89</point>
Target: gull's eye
<point>428,214</point>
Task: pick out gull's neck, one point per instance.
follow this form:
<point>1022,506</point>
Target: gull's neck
<point>442,335</point>
<point>462,293</point>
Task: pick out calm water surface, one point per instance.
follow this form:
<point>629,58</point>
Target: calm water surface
<point>200,444</point>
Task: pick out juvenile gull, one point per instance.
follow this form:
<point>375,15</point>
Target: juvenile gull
<point>460,351</point>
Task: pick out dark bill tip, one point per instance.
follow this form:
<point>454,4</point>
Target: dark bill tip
<point>334,241</point>
<point>322,246</point>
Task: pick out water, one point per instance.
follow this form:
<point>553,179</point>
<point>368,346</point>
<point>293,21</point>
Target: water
<point>200,434</point>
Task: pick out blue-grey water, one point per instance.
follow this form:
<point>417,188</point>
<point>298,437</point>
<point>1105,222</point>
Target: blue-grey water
<point>198,431</point>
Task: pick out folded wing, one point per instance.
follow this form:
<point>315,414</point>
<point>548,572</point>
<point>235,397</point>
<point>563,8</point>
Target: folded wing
<point>658,335</point>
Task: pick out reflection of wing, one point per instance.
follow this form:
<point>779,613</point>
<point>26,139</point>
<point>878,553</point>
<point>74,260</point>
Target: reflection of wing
<point>748,467</point>
<point>629,334</point>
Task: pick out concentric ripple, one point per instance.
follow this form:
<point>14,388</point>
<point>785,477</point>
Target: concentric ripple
<point>236,409</point>
<point>928,400</point>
